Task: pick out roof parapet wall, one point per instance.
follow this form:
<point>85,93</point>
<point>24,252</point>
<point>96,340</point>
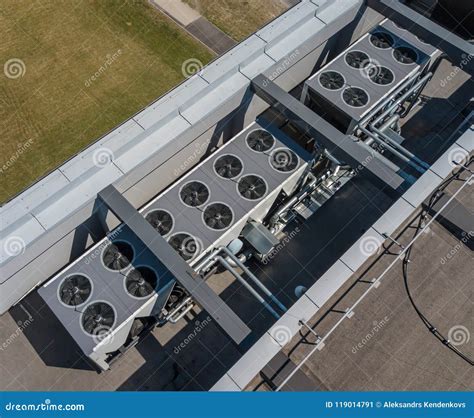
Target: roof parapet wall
<point>51,221</point>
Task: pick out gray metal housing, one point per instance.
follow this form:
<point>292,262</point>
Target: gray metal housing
<point>330,103</point>
<point>54,220</point>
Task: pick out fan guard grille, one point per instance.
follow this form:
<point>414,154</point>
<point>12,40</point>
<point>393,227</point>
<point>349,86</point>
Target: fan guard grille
<point>228,166</point>
<point>194,193</point>
<point>218,216</point>
<point>117,255</point>
<point>252,187</point>
<point>381,75</point>
<point>98,318</point>
<point>357,59</point>
<point>381,40</point>
<point>260,140</point>
<point>185,245</point>
<point>405,55</point>
<point>75,290</point>
<point>284,160</point>
<point>331,80</point>
<point>141,282</point>
<point>355,97</point>
<point>161,220</point>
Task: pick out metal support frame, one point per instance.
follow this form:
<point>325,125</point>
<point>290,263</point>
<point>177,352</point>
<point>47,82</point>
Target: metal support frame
<point>458,49</point>
<point>357,154</point>
<point>214,257</point>
<point>224,316</point>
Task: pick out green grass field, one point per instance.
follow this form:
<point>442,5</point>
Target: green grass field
<point>88,66</point>
<point>238,18</point>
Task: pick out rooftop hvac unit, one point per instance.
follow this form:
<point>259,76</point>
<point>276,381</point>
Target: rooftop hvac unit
<point>118,281</point>
<point>351,85</point>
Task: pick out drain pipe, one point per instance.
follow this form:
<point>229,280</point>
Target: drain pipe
<point>254,278</point>
<point>229,268</point>
<point>388,99</point>
<point>420,84</point>
<point>390,122</point>
<point>391,149</point>
<point>209,261</point>
<point>387,124</point>
<point>401,148</point>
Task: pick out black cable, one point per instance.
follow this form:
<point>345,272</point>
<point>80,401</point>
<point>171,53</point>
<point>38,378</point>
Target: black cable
<point>406,260</point>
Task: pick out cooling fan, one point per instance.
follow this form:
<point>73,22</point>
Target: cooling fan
<point>284,160</point>
<point>185,245</point>
<point>260,140</point>
<point>355,97</point>
<point>194,193</point>
<point>381,40</point>
<point>380,75</point>
<point>405,55</point>
<point>141,282</point>
<point>117,255</point>
<point>218,216</point>
<point>161,220</point>
<point>357,59</point>
<point>75,290</point>
<point>331,80</point>
<point>98,318</point>
<point>228,166</point>
<point>252,187</point>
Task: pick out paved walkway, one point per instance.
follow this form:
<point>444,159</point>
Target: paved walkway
<point>195,24</point>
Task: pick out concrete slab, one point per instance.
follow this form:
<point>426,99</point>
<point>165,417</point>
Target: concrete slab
<point>178,10</point>
<point>254,360</point>
<point>210,35</point>
<point>329,283</point>
<point>423,187</point>
<point>289,324</point>
<point>366,246</point>
<point>225,384</point>
<point>398,213</point>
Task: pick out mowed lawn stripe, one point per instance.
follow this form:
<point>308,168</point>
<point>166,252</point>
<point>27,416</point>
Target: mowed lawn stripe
<point>56,104</point>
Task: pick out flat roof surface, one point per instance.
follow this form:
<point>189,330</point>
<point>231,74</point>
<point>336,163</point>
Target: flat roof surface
<point>38,354</point>
<point>385,346</point>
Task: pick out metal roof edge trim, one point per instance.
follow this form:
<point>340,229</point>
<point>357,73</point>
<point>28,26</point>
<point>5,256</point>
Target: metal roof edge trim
<point>132,117</point>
